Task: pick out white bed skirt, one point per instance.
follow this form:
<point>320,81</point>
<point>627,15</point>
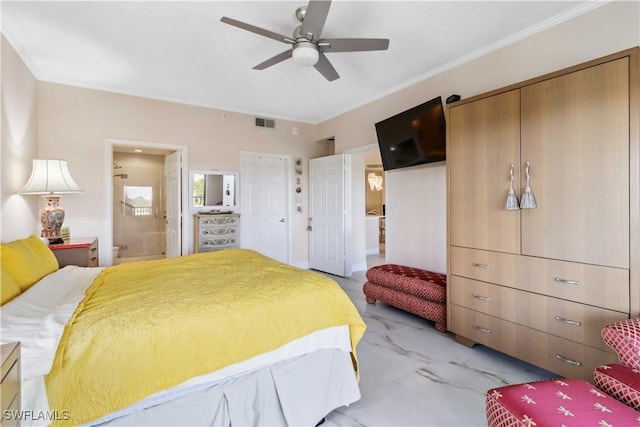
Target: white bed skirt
<point>299,392</point>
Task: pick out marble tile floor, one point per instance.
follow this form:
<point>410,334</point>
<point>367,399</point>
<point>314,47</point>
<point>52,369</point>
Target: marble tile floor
<point>413,375</point>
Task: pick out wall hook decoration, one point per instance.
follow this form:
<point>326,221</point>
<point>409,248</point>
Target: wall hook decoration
<point>512,199</point>
<point>528,200</point>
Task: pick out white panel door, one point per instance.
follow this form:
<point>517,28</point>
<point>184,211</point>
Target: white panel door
<point>327,214</point>
<point>172,169</point>
<point>265,209</point>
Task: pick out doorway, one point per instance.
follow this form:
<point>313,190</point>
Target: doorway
<point>139,207</point>
<point>145,196</point>
<point>375,203</point>
<point>330,214</point>
<point>264,182</point>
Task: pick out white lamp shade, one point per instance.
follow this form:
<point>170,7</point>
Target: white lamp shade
<point>50,176</point>
<point>305,54</point>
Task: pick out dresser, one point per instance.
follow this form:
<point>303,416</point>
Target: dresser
<point>216,231</point>
<point>10,383</point>
<point>539,284</point>
<point>81,251</point>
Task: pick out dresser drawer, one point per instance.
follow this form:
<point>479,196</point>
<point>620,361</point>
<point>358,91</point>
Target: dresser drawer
<point>93,254</point>
<point>563,357</point>
<point>10,381</point>
<point>218,220</point>
<point>219,230</point>
<point>590,284</point>
<point>10,386</point>
<point>566,319</point>
<point>215,243</point>
<point>13,409</point>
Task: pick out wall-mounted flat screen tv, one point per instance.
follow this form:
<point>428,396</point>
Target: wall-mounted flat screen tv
<point>413,137</point>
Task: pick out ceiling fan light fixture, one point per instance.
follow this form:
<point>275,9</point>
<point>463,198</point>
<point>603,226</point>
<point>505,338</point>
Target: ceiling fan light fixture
<point>305,54</point>
<point>307,48</point>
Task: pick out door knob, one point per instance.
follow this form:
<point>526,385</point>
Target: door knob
<point>281,219</point>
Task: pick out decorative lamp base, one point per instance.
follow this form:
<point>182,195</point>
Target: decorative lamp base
<point>51,219</point>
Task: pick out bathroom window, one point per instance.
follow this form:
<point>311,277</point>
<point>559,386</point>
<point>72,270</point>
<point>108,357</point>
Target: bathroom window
<point>139,200</point>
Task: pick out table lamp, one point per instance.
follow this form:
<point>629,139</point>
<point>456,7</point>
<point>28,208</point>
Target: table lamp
<point>50,177</point>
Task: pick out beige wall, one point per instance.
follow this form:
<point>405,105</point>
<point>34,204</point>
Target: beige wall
<point>19,214</point>
<point>416,197</point>
<point>74,124</point>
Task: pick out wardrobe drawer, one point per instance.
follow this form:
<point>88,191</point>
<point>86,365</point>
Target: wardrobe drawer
<point>590,284</point>
<point>566,319</point>
<point>493,267</point>
<point>563,357</point>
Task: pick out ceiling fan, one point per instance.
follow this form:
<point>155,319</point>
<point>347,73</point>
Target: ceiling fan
<point>307,48</point>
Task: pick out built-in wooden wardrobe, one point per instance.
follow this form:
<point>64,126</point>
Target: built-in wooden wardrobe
<point>540,283</point>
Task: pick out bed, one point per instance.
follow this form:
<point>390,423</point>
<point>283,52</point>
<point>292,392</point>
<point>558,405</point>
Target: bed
<point>218,338</point>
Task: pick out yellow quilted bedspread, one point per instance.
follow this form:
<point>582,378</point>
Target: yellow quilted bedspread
<point>144,327</point>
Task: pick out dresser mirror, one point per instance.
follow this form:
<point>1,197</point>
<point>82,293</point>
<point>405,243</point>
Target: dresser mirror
<point>213,189</point>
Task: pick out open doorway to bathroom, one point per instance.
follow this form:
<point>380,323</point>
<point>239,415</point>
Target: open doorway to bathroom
<point>139,205</point>
<point>146,196</point>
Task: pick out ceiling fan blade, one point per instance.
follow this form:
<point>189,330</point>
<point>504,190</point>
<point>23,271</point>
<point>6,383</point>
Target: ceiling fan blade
<point>274,60</point>
<point>353,45</point>
<point>326,69</point>
<point>257,30</point>
<point>314,18</point>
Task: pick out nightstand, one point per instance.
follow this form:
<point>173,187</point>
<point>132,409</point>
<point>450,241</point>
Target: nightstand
<point>81,251</point>
<point>10,384</point>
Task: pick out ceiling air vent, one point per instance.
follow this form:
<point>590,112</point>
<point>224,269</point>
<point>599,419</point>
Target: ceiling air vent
<point>265,123</point>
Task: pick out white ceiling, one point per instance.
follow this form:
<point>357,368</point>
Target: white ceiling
<point>180,51</point>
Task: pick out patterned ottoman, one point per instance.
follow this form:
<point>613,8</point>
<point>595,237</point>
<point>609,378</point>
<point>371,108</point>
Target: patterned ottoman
<point>560,402</point>
<point>420,292</point>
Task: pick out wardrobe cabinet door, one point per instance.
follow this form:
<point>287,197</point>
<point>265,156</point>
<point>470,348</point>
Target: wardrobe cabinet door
<point>575,134</point>
<point>484,138</point>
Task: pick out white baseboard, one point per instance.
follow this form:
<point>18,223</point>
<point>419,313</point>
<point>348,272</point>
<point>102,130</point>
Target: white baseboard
<point>359,267</point>
<point>302,265</point>
<point>373,251</point>
<point>355,267</point>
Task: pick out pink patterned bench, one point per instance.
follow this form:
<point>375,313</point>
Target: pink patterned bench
<point>613,400</point>
<point>420,292</point>
<point>556,403</point>
<point>620,382</point>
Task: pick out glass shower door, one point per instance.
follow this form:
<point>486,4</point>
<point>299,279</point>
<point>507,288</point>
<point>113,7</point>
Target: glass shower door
<point>138,225</point>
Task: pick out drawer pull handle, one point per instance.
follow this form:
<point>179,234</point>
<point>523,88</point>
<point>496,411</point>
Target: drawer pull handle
<point>568,322</point>
<point>483,298</point>
<point>481,329</point>
<point>569,361</point>
<point>475,264</point>
<point>567,281</point>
